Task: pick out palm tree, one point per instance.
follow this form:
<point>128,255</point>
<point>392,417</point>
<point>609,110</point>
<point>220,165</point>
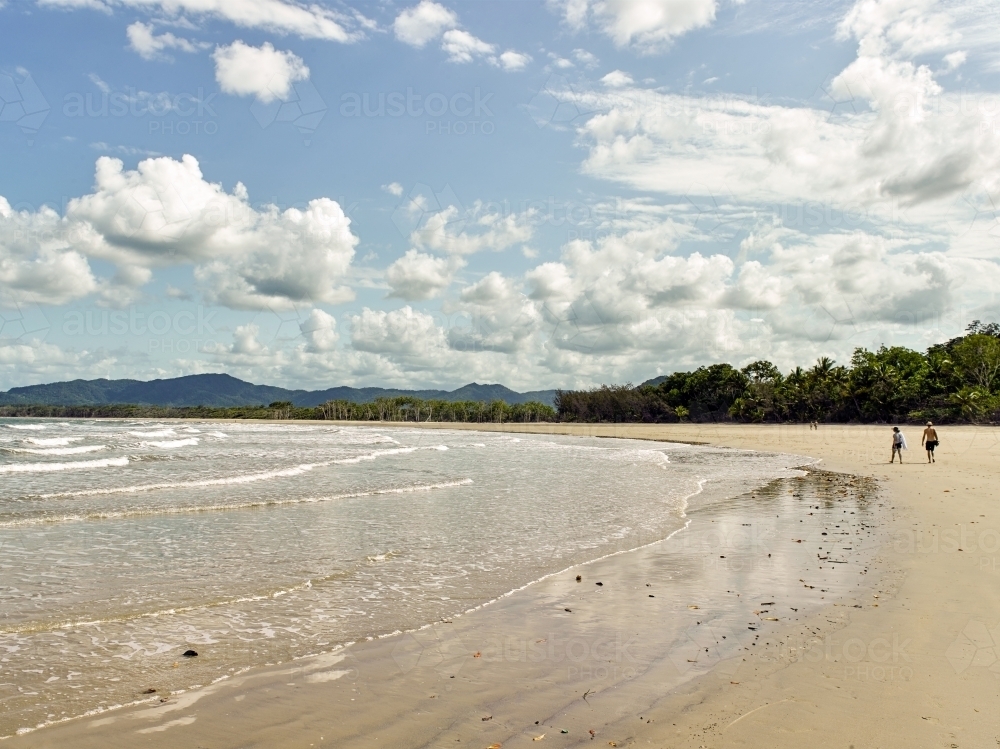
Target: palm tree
<point>822,368</point>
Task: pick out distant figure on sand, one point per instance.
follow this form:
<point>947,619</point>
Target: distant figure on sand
<point>930,441</point>
<point>898,445</point>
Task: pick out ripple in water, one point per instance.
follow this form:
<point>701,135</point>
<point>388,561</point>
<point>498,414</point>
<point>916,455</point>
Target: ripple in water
<point>271,541</point>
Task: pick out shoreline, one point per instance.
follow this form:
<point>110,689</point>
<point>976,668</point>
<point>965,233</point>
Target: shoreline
<point>481,615</point>
<point>489,629</point>
<point>825,700</point>
<point>153,668</point>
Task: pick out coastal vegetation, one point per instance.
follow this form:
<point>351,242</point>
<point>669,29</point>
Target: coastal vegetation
<point>954,381</point>
<point>403,408</point>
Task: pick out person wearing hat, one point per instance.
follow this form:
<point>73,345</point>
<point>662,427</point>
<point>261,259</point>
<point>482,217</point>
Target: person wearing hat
<point>930,441</point>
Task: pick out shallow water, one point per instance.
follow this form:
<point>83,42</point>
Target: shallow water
<point>123,544</point>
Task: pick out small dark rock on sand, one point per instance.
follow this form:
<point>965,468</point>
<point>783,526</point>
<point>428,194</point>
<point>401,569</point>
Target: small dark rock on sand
<point>190,653</point>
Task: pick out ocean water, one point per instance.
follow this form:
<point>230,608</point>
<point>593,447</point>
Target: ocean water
<point>125,543</point>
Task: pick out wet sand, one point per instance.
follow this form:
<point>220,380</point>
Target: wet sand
<point>864,629</point>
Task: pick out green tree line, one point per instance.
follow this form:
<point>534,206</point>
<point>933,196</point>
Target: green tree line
<point>403,408</point>
<point>956,381</point>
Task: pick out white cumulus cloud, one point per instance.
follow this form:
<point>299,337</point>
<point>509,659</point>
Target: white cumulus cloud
<point>151,46</point>
<point>423,23</point>
<point>462,46</point>
<point>320,331</point>
<point>264,72</point>
<point>429,21</point>
<point>245,340</point>
<point>309,21</point>
<point>165,213</point>
<point>38,264</point>
<point>617,79</point>
<point>450,232</point>
<point>31,362</point>
<point>501,317</point>
<point>513,61</point>
<point>403,332</point>
<point>417,275</point>
<point>646,24</point>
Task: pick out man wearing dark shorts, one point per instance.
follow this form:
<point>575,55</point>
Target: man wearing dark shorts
<point>898,445</point>
<point>930,441</point>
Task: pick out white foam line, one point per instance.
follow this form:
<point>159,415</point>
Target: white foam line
<point>76,465</point>
<point>169,444</point>
<point>35,628</point>
<point>31,427</point>
<point>246,479</point>
<point>58,450</point>
<point>52,441</point>
<point>250,478</point>
<point>374,455</point>
<point>155,433</point>
<point>88,714</point>
<point>117,515</point>
<point>242,599</point>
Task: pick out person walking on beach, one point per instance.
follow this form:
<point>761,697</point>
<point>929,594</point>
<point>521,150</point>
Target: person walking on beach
<point>898,445</point>
<point>929,441</point>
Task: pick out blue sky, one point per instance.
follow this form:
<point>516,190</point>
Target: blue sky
<point>545,194</point>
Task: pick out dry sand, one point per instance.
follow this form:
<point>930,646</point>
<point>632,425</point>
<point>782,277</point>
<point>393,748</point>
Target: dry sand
<point>814,613</point>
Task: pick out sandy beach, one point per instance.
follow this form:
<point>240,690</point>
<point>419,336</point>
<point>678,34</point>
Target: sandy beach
<point>854,606</point>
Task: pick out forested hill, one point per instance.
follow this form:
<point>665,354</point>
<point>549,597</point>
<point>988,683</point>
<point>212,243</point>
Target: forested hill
<point>221,391</point>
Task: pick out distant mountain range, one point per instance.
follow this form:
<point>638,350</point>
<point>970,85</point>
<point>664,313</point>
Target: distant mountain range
<point>221,390</point>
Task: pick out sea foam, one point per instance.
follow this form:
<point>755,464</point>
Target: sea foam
<point>76,465</point>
